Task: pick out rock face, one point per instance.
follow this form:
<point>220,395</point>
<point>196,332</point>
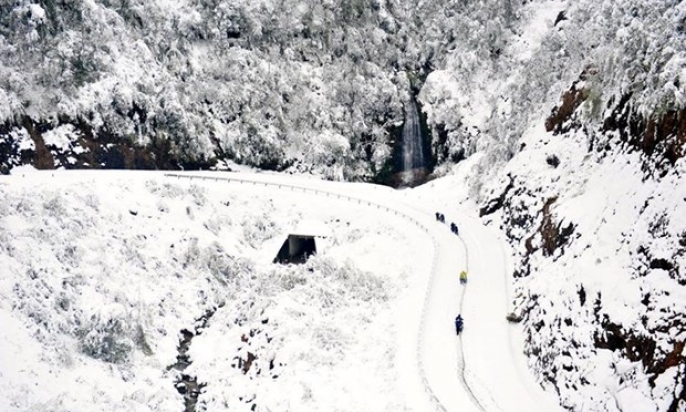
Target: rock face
<point>75,144</point>
<point>660,137</point>
<point>600,241</point>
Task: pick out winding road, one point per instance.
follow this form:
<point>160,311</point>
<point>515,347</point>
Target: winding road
<point>482,369</point>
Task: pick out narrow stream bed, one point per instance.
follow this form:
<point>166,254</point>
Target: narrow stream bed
<point>186,384</point>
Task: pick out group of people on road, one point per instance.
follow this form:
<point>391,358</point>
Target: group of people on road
<point>459,321</point>
<point>441,218</point>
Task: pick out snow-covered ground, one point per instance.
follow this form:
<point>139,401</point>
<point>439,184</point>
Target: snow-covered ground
<point>104,269</point>
<point>598,238</point>
<point>608,322</point>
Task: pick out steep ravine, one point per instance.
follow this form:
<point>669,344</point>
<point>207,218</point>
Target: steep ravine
<point>186,384</point>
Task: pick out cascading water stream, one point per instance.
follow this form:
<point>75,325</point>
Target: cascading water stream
<point>412,144</point>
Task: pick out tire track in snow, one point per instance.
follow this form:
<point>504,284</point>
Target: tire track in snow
<point>462,365</point>
<point>484,401</point>
<point>464,373</point>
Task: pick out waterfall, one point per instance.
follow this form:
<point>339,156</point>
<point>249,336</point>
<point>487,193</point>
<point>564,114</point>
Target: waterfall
<point>412,143</point>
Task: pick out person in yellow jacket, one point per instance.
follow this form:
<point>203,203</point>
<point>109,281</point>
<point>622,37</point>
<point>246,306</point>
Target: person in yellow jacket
<point>463,277</point>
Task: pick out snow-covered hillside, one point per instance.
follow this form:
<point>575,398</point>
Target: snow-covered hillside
<point>316,87</point>
<point>197,82</point>
<point>102,272</point>
<point>579,160</point>
<point>598,249</point>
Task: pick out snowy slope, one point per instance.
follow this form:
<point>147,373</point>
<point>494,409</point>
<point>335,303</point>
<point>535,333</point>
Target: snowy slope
<point>314,342</point>
<point>596,230</point>
<point>79,260</point>
<point>598,264</point>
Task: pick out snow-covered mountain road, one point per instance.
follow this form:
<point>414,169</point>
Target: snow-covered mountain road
<point>484,368</point>
<point>495,367</point>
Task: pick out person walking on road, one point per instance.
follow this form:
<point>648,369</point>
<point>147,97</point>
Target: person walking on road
<point>453,228</point>
<point>459,324</point>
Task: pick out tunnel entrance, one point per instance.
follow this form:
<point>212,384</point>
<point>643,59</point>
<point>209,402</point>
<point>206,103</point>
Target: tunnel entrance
<point>296,249</point>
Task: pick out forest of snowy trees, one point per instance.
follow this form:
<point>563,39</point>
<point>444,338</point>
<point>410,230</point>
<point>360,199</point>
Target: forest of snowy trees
<point>272,84</point>
<point>321,85</point>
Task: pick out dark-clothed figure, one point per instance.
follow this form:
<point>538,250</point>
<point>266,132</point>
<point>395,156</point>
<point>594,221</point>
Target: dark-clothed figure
<point>459,324</point>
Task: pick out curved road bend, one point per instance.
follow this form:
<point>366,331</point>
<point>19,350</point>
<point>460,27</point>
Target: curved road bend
<point>483,356</point>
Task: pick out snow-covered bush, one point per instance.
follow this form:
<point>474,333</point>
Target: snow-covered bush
<point>259,228</point>
<point>165,190</point>
<point>106,339</point>
<point>217,223</point>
